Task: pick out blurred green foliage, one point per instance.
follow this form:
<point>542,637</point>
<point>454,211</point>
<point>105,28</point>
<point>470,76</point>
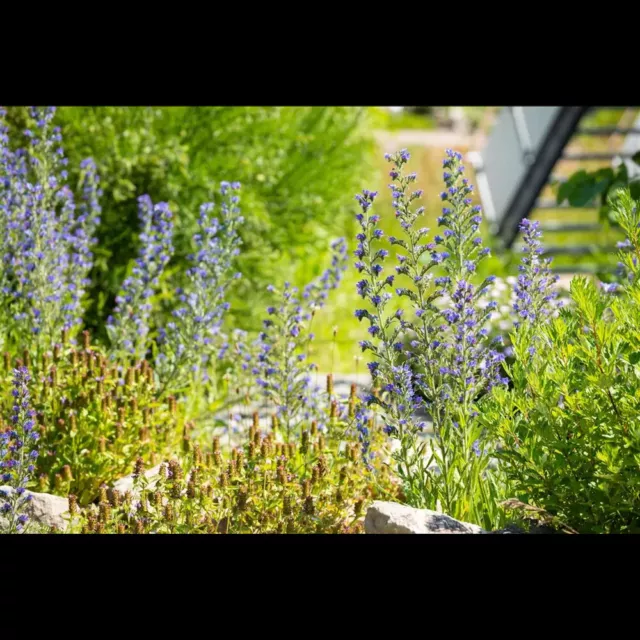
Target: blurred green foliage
<point>299,167</point>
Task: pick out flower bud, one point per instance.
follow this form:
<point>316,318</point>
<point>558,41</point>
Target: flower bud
<point>241,499</point>
<point>309,508</point>
<point>105,512</point>
<point>116,498</point>
<point>139,468</point>
<point>330,384</point>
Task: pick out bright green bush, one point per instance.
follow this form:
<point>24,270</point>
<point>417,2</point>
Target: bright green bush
<point>568,428</point>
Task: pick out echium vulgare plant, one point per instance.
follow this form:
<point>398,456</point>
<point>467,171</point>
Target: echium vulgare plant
<point>534,288</point>
<point>128,325</point>
<point>439,359</point>
<point>282,368</point>
<point>193,335</point>
<point>46,243</point>
<point>568,428</point>
<point>18,454</point>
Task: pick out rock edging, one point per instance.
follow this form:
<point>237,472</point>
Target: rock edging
<point>392,517</point>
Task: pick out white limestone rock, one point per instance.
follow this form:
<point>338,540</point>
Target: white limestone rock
<point>44,510</point>
<point>391,517</point>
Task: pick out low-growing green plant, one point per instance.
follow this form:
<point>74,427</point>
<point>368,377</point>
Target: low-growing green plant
<point>568,427</point>
<point>318,484</point>
<point>94,418</point>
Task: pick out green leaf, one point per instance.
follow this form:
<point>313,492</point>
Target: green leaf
<point>585,192</point>
<point>564,192</point>
<point>634,358</point>
<point>574,182</point>
<point>634,189</point>
<point>636,158</point>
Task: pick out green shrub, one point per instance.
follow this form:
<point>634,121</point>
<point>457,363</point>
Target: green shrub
<point>568,428</point>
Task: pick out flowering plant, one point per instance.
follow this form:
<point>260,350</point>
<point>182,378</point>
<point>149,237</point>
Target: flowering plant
<point>193,335</point>
<point>128,325</point>
<point>438,360</point>
<point>282,368</point>
<point>18,454</point>
<point>94,418</point>
<point>316,485</point>
<point>46,243</point>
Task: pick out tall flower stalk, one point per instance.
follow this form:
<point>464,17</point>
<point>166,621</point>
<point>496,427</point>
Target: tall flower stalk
<point>534,289</point>
<point>128,326</point>
<point>438,359</point>
<point>18,443</point>
<point>283,372</point>
<point>46,254</point>
<point>189,340</point>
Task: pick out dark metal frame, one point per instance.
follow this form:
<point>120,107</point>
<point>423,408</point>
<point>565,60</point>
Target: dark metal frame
<point>538,172</point>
